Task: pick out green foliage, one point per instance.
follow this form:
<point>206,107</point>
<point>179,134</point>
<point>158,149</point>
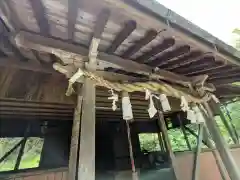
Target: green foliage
<point>236,32</point>
<point>150,141</point>
<point>30,158</point>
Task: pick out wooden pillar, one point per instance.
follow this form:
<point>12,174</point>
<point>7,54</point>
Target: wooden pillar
<point>163,129</point>
<point>72,166</point>
<point>86,165</point>
<point>221,145</point>
<point>215,107</point>
<point>195,175</point>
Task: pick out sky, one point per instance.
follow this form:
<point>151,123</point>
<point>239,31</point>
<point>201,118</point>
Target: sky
<point>218,17</point>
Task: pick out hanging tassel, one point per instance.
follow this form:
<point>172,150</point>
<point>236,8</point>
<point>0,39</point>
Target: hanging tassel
<point>126,107</point>
<point>191,116</point>
<point>165,103</point>
<point>114,99</point>
<point>215,99</point>
<point>198,114</point>
<point>151,108</point>
<point>147,94</point>
<point>184,104</point>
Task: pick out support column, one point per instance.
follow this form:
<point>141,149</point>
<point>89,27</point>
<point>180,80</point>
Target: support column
<point>86,165</point>
<point>230,129</point>
<point>195,175</point>
<point>163,129</point>
<point>72,167</point>
<point>221,145</point>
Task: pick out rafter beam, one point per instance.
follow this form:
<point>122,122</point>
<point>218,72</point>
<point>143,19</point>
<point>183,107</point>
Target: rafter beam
<point>72,17</point>
<point>148,37</point>
<point>46,44</point>
<point>128,28</point>
<point>40,15</point>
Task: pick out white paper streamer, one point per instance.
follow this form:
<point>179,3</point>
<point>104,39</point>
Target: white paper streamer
<point>151,108</point>
<point>184,104</point>
<point>215,98</point>
<point>191,116</point>
<point>147,94</point>
<point>127,108</point>
<point>114,99</point>
<point>165,103</point>
<point>198,114</point>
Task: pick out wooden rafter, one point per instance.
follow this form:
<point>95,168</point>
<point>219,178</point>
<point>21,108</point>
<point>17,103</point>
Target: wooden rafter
<point>73,6</point>
<point>128,28</point>
<point>184,60</point>
<point>165,44</point>
<point>40,15</point>
<point>167,56</point>
<point>148,37</point>
<point>10,13</point>
<point>45,44</point>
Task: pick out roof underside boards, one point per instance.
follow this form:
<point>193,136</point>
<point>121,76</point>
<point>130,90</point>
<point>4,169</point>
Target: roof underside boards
<point>36,96</point>
<point>132,33</point>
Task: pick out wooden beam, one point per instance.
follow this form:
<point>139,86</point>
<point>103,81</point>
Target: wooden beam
<point>165,44</point>
<point>148,37</point>
<point>10,15</point>
<point>14,63</point>
<point>167,56</point>
<point>73,159</point>
<point>185,60</point>
<point>227,80</point>
<point>45,44</point>
<point>128,28</point>
<point>152,20</point>
<point>101,23</point>
<point>41,16</point>
<point>97,34</point>
<point>73,6</point>
<point>86,167</point>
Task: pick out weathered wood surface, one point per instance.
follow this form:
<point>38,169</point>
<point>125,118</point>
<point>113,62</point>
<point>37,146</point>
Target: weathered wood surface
<point>73,159</point>
<point>86,167</point>
<point>54,174</point>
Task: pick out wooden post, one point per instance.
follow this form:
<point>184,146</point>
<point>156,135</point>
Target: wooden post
<point>163,129</point>
<point>198,151</point>
<point>216,106</point>
<point>221,145</point>
<point>75,136</point>
<point>86,168</point>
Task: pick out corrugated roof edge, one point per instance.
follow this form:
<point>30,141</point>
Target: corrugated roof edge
<point>176,21</point>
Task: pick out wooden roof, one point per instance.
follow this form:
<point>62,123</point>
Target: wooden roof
<point>133,33</point>
<point>129,33</point>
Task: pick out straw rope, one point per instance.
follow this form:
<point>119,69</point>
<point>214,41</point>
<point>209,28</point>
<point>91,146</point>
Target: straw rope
<point>154,87</point>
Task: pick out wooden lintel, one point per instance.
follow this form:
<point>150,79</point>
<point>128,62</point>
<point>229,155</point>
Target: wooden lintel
<point>40,43</point>
<point>14,63</point>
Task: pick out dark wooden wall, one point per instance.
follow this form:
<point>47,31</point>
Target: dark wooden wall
<point>56,174</point>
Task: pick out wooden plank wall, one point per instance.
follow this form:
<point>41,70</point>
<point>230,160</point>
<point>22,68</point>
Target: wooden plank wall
<point>60,174</point>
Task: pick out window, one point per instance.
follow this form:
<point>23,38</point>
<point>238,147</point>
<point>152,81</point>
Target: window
<point>10,148</point>
<point>149,142</point>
